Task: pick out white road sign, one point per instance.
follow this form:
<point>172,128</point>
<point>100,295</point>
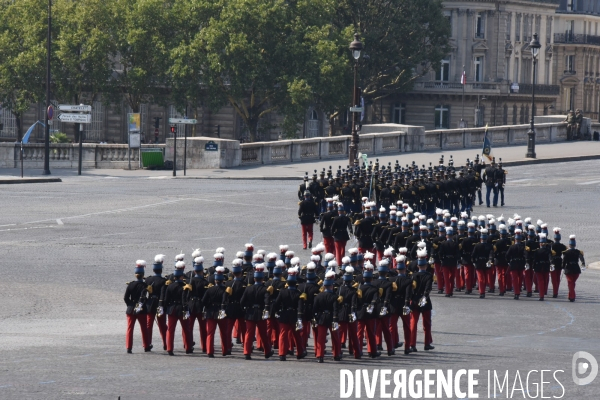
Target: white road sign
<point>80,108</point>
<point>76,118</point>
<point>183,121</point>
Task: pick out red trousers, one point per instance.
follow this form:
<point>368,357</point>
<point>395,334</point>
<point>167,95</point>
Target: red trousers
<point>307,230</point>
<point>491,277</point>
<point>287,331</point>
<point>383,329</point>
<point>379,255</point>
<point>555,277</point>
<point>329,245</point>
<point>162,327</point>
<point>543,279</point>
<point>340,250</point>
<point>481,279</point>
<point>414,320</point>
<point>508,279</point>
<point>201,329</point>
<point>351,329</point>
<point>273,331</point>
<point>321,335</point>
<point>469,276</point>
<point>529,280</point>
<point>306,333</point>
<point>240,324</point>
<point>517,280</point>
<point>449,271</point>
<point>369,326</point>
<point>211,330</point>
<point>405,328</point>
<point>141,319</point>
<point>571,279</point>
<point>251,328</point>
<point>501,270</point>
<point>459,278</point>
<point>171,325</point>
<point>440,276</point>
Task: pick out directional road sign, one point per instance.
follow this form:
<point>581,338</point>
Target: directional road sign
<point>183,121</point>
<point>80,108</point>
<point>76,118</point>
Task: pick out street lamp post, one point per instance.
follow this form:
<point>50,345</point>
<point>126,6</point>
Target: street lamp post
<point>47,127</point>
<point>535,48</point>
<point>355,47</point>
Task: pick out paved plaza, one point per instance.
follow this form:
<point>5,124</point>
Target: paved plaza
<point>68,248</point>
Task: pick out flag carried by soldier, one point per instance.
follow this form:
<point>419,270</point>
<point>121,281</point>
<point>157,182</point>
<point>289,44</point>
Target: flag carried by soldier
<point>487,145</point>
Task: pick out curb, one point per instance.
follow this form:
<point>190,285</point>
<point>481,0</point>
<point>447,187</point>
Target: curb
<point>28,180</point>
<point>517,163</point>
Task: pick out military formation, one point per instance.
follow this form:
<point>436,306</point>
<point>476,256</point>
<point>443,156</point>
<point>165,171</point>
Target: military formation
<point>272,302</point>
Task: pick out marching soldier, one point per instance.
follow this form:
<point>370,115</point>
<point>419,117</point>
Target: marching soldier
<point>571,259</point>
<point>347,311</point>
<point>422,283</point>
<point>289,307</point>
<point>307,213</point>
<point>555,270</point>
<point>515,256</point>
<point>368,296</point>
<point>256,302</point>
<point>382,311</point>
<point>499,254</point>
<point>311,289</point>
<point>363,230</point>
<point>541,265</point>
<point>501,181</point>
<point>303,187</point>
<point>531,245</point>
<point>481,259</point>
<point>340,229</point>
<point>215,301</point>
<point>157,281</point>
<point>449,254</point>
<point>478,167</point>
<point>466,249</point>
<point>135,299</point>
<point>325,309</point>
<point>274,286</point>
<point>325,226</point>
<point>194,294</point>
<point>235,314</point>
<point>489,177</point>
<point>176,312</point>
<point>399,304</point>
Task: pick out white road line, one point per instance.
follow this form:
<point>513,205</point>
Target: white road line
<point>58,221</point>
<point>521,180</point>
<point>588,183</point>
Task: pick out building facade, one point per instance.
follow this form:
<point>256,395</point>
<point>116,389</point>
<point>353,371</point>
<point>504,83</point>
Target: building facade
<point>489,45</point>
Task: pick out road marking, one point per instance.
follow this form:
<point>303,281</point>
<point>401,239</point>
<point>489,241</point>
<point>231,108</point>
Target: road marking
<point>8,225</point>
<point>58,221</point>
<point>521,180</point>
<point>45,383</point>
<point>588,183</point>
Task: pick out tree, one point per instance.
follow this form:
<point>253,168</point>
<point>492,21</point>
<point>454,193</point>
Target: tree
<point>258,56</point>
<point>403,40</point>
<point>142,34</point>
<point>23,27</point>
<point>83,50</point>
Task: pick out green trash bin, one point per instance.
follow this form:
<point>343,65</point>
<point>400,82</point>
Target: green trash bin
<point>152,158</point>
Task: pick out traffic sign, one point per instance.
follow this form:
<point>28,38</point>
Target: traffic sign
<point>356,109</point>
<point>80,108</point>
<point>76,118</point>
<point>183,121</point>
<point>50,113</point>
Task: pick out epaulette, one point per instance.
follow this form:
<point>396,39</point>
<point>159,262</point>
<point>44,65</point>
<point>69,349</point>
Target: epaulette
<point>210,285</point>
<point>380,291</point>
<point>282,279</point>
<point>127,283</point>
<point>149,289</point>
<point>527,248</point>
<point>187,287</point>
<point>299,202</point>
<point>340,299</point>
<point>355,285</point>
<point>229,291</point>
<point>270,289</point>
<point>394,286</point>
<point>168,282</point>
<point>414,284</point>
<point>581,252</point>
<point>553,252</point>
<point>359,293</point>
<point>303,296</point>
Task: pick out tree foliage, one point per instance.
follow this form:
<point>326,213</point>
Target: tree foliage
<point>259,56</point>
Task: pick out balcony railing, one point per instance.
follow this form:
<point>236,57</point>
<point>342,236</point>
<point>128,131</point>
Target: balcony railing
<point>551,90</point>
<point>571,38</point>
<point>456,85</point>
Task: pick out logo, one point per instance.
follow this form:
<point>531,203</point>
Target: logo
<point>580,367</point>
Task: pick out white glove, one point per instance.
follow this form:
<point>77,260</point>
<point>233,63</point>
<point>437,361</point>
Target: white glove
<point>405,310</point>
<point>335,326</point>
<point>265,314</point>
<point>383,311</point>
<point>186,315</point>
<point>423,301</point>
<point>352,317</point>
<point>222,314</point>
<point>160,311</point>
<point>527,267</point>
<point>370,309</point>
<point>299,325</point>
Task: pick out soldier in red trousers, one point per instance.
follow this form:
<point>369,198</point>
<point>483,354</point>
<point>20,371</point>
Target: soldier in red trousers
<point>135,298</point>
<point>571,259</point>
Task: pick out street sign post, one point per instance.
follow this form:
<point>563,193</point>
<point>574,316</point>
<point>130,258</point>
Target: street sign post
<point>76,118</point>
<point>79,108</point>
<point>188,121</point>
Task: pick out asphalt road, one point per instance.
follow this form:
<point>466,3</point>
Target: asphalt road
<point>68,248</point>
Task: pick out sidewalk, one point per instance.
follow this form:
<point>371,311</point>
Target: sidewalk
<point>511,156</point>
